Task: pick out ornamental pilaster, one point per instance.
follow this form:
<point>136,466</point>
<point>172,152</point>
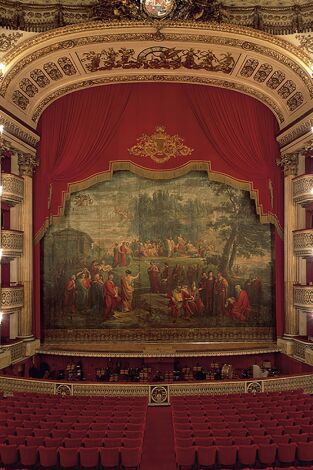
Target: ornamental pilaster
<point>27,164</point>
<point>289,164</point>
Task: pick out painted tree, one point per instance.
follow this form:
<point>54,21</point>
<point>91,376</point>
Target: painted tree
<point>238,224</point>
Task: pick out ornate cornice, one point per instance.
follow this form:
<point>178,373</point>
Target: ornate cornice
<point>42,16</point>
<point>296,131</point>
<point>289,163</point>
<point>27,164</point>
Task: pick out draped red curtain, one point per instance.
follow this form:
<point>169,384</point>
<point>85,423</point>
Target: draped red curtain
<point>84,132</point>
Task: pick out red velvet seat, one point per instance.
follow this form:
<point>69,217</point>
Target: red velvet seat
<point>299,437</point>
<point>48,456</point>
<point>28,455</point>
<point>35,441</point>
<point>276,431</point>
<point>247,454</point>
<point>97,442</point>
<point>227,455</point>
<point>89,457</point>
<point>203,441</point>
<point>79,433</point>
<point>8,454</point>
<point>202,426</point>
<point>109,457</point>
<point>243,441</point>
<point>131,457</point>
<point>188,442</point>
<point>53,441</point>
<point>112,442</point>
<point>185,456</point>
<point>281,439</point>
<point>223,441</point>
<point>267,453</point>
<point>220,432</point>
<point>41,433</point>
<point>305,452</point>
<point>131,443</point>
<point>72,443</point>
<point>137,435</point>
<point>206,456</point>
<point>17,440</point>
<point>286,453</point>
<point>69,457</point>
<point>59,433</point>
<point>90,434</point>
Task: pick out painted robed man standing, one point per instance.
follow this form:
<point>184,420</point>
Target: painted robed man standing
<point>127,290</point>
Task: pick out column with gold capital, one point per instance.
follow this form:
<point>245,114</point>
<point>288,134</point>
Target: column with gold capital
<point>289,164</point>
<point>27,164</point>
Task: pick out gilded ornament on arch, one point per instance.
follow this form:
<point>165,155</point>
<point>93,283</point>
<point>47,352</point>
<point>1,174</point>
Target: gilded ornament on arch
<point>160,146</point>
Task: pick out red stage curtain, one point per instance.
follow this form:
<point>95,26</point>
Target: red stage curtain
<point>82,133</point>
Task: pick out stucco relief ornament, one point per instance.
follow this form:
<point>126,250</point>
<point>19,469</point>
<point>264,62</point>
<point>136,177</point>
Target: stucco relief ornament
<point>160,146</point>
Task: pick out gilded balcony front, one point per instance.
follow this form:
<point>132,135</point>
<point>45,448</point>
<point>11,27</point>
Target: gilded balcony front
<point>303,243</point>
<point>303,297</point>
<point>12,189</point>
<point>11,244</point>
<point>12,298</point>
<point>303,189</point>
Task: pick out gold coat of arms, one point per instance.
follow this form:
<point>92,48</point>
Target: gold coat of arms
<point>160,146</point>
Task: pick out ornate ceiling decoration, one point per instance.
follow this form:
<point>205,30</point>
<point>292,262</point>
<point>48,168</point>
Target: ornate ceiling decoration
<point>275,17</point>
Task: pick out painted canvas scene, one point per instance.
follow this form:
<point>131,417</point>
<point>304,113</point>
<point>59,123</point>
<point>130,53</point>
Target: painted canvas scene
<point>139,253</point>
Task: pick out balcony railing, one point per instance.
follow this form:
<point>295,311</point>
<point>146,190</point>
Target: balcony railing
<point>303,189</point>
<point>303,243</point>
<point>12,188</point>
<point>303,297</point>
<point>11,244</point>
<point>12,298</point>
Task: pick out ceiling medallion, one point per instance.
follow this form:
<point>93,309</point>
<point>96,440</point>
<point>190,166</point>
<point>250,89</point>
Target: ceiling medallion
<point>158,9</point>
<point>160,146</point>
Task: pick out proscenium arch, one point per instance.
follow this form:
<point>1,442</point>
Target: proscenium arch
<point>75,57</point>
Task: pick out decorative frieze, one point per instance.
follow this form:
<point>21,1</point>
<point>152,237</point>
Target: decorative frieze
<point>303,243</point>
<point>303,189</point>
<point>12,189</point>
<point>27,164</point>
<point>11,244</point>
<point>12,298</point>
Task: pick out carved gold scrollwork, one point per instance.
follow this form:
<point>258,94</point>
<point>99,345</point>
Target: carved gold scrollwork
<point>160,146</point>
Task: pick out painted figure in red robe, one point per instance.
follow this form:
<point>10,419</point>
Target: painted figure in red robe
<point>112,299</point>
<point>239,307</point>
<point>123,255</point>
<point>220,294</point>
<point>154,277</point>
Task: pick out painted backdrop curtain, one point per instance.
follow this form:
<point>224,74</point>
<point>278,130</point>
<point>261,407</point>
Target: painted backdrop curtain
<point>84,132</point>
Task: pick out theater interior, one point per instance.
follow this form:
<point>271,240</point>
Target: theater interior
<point>156,239</point>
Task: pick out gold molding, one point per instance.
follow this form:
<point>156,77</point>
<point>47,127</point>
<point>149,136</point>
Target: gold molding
<point>269,218</point>
<point>9,385</point>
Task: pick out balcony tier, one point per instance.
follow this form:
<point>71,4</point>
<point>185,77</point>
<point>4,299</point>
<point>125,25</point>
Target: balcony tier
<point>12,298</point>
<point>303,189</point>
<point>12,244</point>
<point>12,189</point>
<point>303,297</point>
<point>303,243</point>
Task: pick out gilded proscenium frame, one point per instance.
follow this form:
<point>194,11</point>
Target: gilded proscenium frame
<point>72,39</point>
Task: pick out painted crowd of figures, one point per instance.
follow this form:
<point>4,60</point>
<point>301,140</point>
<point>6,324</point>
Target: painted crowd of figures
<point>199,294</point>
<point>170,247</point>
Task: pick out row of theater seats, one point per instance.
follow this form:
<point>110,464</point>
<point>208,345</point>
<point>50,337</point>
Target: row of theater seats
<point>62,457</point>
<point>87,433</point>
<point>244,430</point>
